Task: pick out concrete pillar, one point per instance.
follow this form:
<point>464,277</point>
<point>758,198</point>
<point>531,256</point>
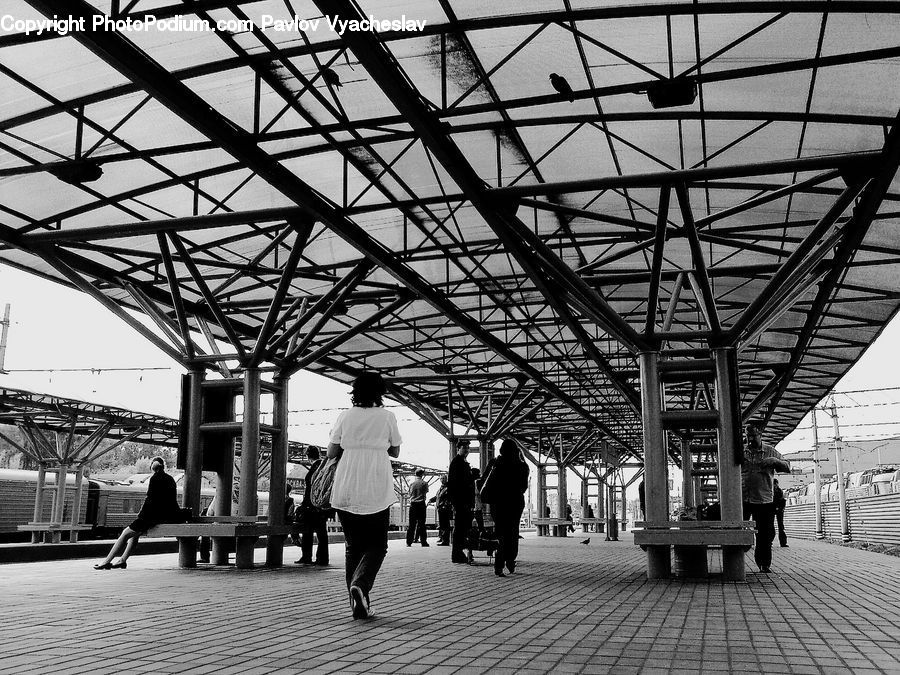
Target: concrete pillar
<point>817,478</point>
<point>247,501</point>
<point>687,467</point>
<point>76,503</point>
<point>187,548</point>
<point>656,489</point>
<point>59,502</point>
<point>39,501</point>
<point>730,450</point>
<point>278,473</point>
<point>562,497</point>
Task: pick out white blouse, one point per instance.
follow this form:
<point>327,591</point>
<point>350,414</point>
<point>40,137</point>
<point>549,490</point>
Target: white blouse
<point>364,479</point>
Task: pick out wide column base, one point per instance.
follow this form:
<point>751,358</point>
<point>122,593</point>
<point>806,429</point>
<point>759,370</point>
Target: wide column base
<point>243,555</point>
<point>733,568</point>
<point>690,562</point>
<point>275,550</point>
<point>659,562</point>
<point>187,552</point>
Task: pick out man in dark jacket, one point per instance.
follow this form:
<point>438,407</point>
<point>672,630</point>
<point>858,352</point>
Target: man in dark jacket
<point>461,490</point>
<point>780,503</point>
<point>311,519</point>
<point>444,513</point>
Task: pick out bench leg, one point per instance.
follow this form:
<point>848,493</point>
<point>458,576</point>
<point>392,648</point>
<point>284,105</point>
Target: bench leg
<point>733,568</point>
<point>690,561</point>
<point>275,551</point>
<point>243,556</point>
<point>659,562</point>
<point>187,552</point>
<point>221,548</point>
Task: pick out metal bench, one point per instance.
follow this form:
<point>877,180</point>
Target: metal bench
<point>51,532</point>
<point>559,525</point>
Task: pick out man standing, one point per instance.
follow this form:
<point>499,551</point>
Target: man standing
<point>780,503</point>
<point>313,520</point>
<point>461,489</point>
<point>761,461</point>
<point>417,493</point>
<point>444,513</point>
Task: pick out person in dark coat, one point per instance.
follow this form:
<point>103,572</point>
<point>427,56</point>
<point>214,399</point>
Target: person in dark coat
<point>444,513</point>
<point>461,490</point>
<point>312,520</point>
<point>160,506</point>
<point>780,504</point>
<point>505,492</point>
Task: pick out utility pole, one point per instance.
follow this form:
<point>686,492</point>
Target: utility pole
<point>842,495</point>
<point>4,332</point>
<point>817,478</point>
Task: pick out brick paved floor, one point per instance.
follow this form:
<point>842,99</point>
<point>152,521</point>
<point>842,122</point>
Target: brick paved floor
<point>568,609</point>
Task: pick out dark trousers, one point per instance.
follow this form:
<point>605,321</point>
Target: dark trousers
<point>782,535</point>
<point>462,523</point>
<point>444,526</point>
<point>506,529</point>
<point>365,539</point>
<point>763,516</point>
<point>318,525</point>
<point>416,524</point>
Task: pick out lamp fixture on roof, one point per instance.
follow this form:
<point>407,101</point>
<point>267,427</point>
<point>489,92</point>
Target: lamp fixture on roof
<point>672,93</point>
<point>77,171</point>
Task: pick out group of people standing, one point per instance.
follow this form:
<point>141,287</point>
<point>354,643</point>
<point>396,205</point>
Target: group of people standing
<point>502,488</point>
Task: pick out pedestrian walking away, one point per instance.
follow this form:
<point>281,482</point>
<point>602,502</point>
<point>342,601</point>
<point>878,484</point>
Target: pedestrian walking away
<point>364,438</point>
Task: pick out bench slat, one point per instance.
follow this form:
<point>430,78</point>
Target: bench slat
<point>696,537</point>
<point>695,524</point>
<point>218,530</point>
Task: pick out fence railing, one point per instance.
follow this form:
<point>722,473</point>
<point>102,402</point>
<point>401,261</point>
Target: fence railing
<point>874,519</point>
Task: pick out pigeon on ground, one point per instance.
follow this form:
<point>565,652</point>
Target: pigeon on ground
<point>331,77</point>
<point>562,86</point>
<point>586,541</point>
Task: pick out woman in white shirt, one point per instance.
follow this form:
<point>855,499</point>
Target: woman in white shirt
<point>365,437</point>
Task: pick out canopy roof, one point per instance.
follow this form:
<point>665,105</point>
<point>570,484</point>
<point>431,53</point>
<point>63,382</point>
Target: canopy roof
<point>428,203</point>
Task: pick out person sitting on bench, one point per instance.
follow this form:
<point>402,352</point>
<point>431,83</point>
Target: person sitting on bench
<point>160,506</point>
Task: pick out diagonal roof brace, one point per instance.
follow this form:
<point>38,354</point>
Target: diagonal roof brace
<point>137,66</point>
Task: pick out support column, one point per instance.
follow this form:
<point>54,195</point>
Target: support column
<point>278,473</point>
<point>247,501</point>
<point>817,478</point>
<point>76,503</point>
<point>659,560</point>
<point>612,523</point>
<point>585,497</point>
<point>730,448</point>
<point>59,502</point>
<point>39,501</point>
<point>623,505</point>
<point>543,510</point>
<point>187,546</point>
<point>839,468</point>
<point>485,452</point>
<point>687,468</point>
<point>562,497</point>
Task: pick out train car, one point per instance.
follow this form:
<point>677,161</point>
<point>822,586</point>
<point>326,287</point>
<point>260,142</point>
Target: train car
<point>17,492</point>
<point>108,506</point>
<point>399,517</point>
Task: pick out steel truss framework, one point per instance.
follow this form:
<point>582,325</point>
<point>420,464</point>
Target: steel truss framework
<point>424,204</point>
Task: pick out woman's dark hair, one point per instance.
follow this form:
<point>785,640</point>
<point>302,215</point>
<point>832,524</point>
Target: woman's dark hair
<point>368,388</point>
<point>509,449</point>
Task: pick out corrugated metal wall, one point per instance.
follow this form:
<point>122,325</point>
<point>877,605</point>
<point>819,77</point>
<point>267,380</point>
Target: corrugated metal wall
<point>872,519</point>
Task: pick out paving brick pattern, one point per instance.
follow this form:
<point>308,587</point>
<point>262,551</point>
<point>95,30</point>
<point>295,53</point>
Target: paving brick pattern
<point>568,609</point>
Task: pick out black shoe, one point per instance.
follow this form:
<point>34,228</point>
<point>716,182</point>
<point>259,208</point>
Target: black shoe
<point>303,561</point>
<point>499,572</point>
<point>765,570</point>
<point>459,560</point>
<point>425,543</point>
<point>511,566</point>
<point>358,603</point>
<point>321,563</point>
<point>121,565</point>
<point>103,566</point>
<point>204,559</point>
<point>409,546</point>
<point>440,543</point>
<point>785,546</point>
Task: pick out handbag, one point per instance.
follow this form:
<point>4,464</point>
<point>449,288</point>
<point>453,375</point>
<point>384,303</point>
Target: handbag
<point>321,484</point>
<point>488,487</point>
